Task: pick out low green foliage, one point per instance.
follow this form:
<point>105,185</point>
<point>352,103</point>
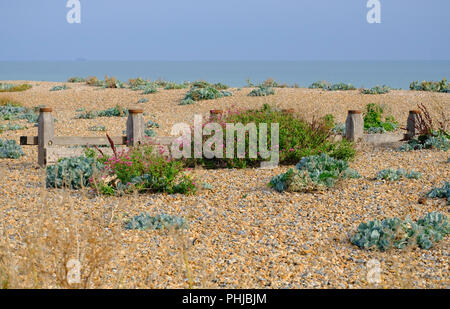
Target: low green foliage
<point>396,233</point>
<point>145,222</point>
<point>376,90</point>
<point>441,86</point>
<point>59,88</point>
<point>435,140</point>
<point>143,100</point>
<point>172,86</point>
<point>374,122</point>
<point>331,87</point>
<point>14,88</point>
<point>116,111</point>
<point>73,173</point>
<point>151,124</point>
<point>12,127</point>
<point>262,91</point>
<point>9,149</point>
<point>149,133</point>
<point>393,175</point>
<point>97,128</point>
<point>11,112</point>
<point>76,80</point>
<point>443,192</point>
<point>313,173</point>
<point>9,101</point>
<point>203,93</point>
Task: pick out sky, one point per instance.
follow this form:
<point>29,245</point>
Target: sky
<point>183,30</point>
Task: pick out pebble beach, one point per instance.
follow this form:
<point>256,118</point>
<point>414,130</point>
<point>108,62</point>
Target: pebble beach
<point>241,234</point>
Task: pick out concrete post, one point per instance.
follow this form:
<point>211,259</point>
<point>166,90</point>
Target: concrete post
<point>354,126</point>
<point>135,127</point>
<point>46,132</point>
<point>412,123</point>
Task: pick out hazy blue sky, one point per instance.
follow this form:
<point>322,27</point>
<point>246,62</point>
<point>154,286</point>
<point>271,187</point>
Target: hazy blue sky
<point>225,30</point>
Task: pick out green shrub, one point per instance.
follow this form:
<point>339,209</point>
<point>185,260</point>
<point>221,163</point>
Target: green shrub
<point>171,86</point>
<point>12,127</point>
<point>373,120</point>
<point>97,128</point>
<point>376,90</point>
<point>10,149</point>
<point>145,222</point>
<point>116,111</point>
<point>14,88</point>
<point>331,87</point>
<point>393,175</point>
<point>262,91</point>
<point>141,169</point>
<point>9,101</point>
<point>10,112</point>
<point>443,192</point>
<point>73,173</point>
<point>59,88</point>
<point>297,139</point>
<point>436,140</point>
<point>139,83</point>
<point>206,93</point>
<point>150,89</point>
<point>396,233</point>
<point>151,124</point>
<point>313,173</point>
<point>76,80</point>
<point>441,86</point>
<point>143,100</point>
<point>149,133</point>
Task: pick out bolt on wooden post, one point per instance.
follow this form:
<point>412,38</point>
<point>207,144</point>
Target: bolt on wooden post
<point>412,123</point>
<point>354,126</point>
<point>135,127</point>
<point>46,133</point>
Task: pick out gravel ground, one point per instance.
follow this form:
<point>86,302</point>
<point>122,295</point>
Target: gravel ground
<point>241,233</point>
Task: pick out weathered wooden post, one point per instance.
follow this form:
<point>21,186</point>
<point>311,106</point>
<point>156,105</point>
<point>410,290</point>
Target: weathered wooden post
<point>215,114</point>
<point>354,126</point>
<point>412,123</point>
<point>135,126</point>
<point>46,133</point>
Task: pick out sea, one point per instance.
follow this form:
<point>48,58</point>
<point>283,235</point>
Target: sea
<point>396,74</point>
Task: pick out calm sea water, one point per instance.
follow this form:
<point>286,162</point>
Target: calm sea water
<point>397,74</point>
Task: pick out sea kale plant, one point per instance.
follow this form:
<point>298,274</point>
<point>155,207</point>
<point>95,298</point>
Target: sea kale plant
<point>374,122</point>
<point>14,112</point>
<point>396,233</point>
<point>331,87</point>
<point>59,88</point>
<point>73,173</point>
<point>76,80</point>
<point>376,90</point>
<point>393,175</point>
<point>443,192</point>
<point>145,222</point>
<point>204,91</point>
<point>116,111</point>
<point>10,149</point>
<point>14,88</point>
<point>262,91</point>
<point>313,173</point>
<point>441,86</point>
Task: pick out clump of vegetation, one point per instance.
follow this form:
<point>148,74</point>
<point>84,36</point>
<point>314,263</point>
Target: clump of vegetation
<point>313,173</point>
<point>397,233</point>
<point>59,88</point>
<point>297,139</point>
<point>441,86</point>
<point>145,222</point>
<point>149,133</point>
<point>12,127</point>
<point>374,122</point>
<point>376,90</point>
<point>262,91</point>
<point>143,100</point>
<point>150,89</point>
<point>393,175</point>
<point>10,149</point>
<point>141,169</point>
<point>109,82</point>
<point>97,128</point>
<point>14,88</point>
<point>443,192</point>
<point>331,87</point>
<point>116,111</point>
<point>431,134</point>
<point>138,83</point>
<point>10,112</point>
<point>172,86</point>
<point>152,124</point>
<point>76,80</point>
<point>8,101</point>
<point>199,93</point>
<point>73,173</point>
